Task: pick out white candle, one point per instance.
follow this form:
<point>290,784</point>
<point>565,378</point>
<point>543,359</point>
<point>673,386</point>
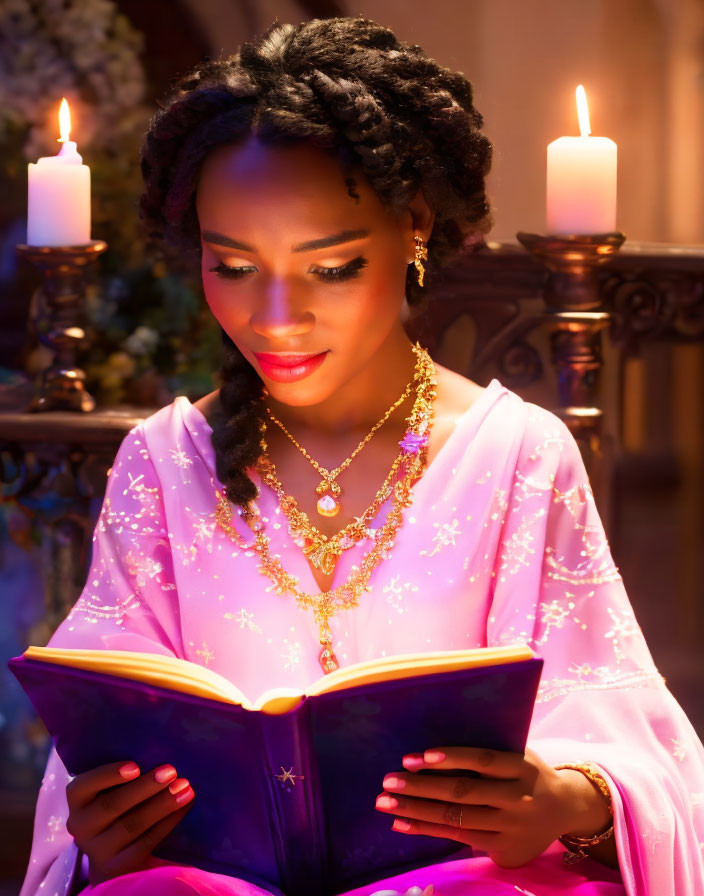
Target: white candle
<point>581,187</point>
<point>58,201</point>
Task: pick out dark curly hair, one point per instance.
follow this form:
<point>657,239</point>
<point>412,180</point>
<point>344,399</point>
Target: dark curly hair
<point>351,87</point>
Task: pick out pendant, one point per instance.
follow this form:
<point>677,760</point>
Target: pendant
<point>326,657</point>
<point>328,506</point>
<point>328,660</point>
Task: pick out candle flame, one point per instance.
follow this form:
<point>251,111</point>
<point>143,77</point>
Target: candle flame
<point>583,112</point>
<point>64,121</point>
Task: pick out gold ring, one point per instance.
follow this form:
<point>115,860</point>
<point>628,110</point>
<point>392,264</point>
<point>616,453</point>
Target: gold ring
<point>460,817</point>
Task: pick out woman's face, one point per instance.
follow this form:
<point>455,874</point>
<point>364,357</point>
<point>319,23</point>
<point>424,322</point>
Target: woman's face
<point>297,259</point>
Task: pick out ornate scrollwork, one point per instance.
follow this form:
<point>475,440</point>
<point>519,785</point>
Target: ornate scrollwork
<point>654,304</point>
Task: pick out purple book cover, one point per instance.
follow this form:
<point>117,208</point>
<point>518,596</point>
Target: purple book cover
<point>286,802</point>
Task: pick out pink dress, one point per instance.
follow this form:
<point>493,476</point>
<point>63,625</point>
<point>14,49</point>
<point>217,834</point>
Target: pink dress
<point>502,545</point>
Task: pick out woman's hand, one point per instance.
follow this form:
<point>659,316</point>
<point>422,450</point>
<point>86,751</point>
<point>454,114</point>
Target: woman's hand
<point>513,811</point>
<point>117,819</point>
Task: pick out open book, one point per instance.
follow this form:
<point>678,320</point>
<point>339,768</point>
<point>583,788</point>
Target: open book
<point>285,784</point>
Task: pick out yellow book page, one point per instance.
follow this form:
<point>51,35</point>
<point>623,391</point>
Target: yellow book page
<point>150,668</point>
<point>191,678</point>
<point>404,665</point>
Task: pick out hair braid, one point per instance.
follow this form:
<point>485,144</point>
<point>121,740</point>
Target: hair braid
<point>351,87</point>
<point>236,433</point>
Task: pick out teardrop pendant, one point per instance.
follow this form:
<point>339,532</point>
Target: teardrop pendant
<point>328,506</point>
<point>328,660</point>
<point>326,657</point>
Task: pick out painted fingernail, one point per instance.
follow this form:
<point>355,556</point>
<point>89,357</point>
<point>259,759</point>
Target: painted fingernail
<point>400,825</point>
<point>185,796</point>
<point>165,773</point>
<point>178,785</point>
<point>433,756</point>
<point>386,802</point>
<point>412,763</point>
<point>129,770</point>
<point>394,783</point>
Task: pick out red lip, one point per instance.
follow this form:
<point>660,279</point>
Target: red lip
<point>283,359</point>
<point>286,368</point>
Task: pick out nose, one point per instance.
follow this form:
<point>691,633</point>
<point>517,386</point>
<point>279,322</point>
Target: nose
<point>280,313</point>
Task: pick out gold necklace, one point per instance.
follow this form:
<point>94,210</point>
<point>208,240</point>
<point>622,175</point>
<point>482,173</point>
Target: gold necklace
<point>327,603</point>
<point>327,505</point>
<point>323,551</point>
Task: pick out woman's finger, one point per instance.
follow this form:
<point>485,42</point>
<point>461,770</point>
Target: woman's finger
<point>482,818</point>
<point>493,763</point>
<point>484,841</point>
<point>133,824</point>
<point>111,803</point>
<point>84,788</point>
<point>498,792</point>
<point>138,851</point>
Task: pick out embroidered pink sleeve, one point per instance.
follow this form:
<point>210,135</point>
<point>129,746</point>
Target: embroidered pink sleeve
<point>601,696</point>
<point>129,602</point>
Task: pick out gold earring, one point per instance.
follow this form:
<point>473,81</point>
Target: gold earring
<point>421,254</point>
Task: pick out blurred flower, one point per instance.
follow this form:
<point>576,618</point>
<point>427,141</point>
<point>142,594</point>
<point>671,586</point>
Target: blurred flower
<point>118,366</point>
<point>142,341</point>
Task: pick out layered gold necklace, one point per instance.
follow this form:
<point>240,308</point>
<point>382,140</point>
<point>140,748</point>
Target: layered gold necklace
<point>329,488</point>
<point>324,551</point>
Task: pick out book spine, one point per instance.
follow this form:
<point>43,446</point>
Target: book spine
<point>290,771</point>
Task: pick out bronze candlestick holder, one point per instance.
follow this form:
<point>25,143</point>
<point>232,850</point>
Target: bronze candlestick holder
<point>572,262</point>
<point>575,317</point>
<point>59,322</point>
<point>574,309</point>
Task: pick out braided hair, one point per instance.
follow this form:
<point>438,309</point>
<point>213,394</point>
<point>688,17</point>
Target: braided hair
<point>352,88</point>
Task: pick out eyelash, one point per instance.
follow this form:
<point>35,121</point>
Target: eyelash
<point>343,272</point>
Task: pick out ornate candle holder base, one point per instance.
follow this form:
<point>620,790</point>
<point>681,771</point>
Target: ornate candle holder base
<point>575,317</point>
<point>59,322</point>
<point>572,261</point>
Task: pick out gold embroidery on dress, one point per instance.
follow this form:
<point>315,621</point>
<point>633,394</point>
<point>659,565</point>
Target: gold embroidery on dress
<point>446,534</point>
<point>395,591</point>
<point>558,687</point>
<point>292,655</point>
<point>244,617</point>
<point>517,550</point>
<point>621,628</point>
<point>180,458</point>
<point>91,612</point>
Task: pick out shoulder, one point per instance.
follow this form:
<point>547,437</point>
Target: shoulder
<point>208,406</point>
<point>456,393</point>
<point>549,450</point>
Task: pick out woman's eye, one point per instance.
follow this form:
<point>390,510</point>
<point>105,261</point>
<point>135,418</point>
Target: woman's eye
<point>222,270</point>
<point>343,272</point>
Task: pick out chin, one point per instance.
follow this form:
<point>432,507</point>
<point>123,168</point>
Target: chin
<point>299,394</point>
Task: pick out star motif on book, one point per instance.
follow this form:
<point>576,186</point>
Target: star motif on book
<point>286,776</point>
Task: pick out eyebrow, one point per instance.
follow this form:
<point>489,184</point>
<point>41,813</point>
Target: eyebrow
<point>346,236</point>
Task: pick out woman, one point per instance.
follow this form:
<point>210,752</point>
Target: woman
<point>320,174</point>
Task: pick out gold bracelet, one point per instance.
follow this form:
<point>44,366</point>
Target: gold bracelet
<point>578,845</point>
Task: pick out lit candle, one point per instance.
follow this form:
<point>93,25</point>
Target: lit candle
<point>58,206</point>
<point>581,189</point>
